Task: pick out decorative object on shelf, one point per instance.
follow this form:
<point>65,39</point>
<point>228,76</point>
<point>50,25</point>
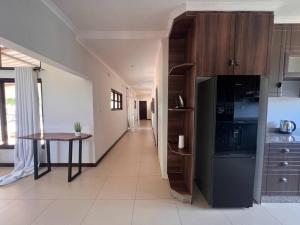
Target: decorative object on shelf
<point>181,141</point>
<point>77,128</point>
<point>179,102</point>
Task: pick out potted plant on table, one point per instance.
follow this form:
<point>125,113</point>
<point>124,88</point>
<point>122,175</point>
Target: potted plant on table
<point>77,128</point>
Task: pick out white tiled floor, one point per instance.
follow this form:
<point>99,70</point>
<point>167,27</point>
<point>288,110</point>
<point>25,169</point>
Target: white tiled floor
<point>125,189</point>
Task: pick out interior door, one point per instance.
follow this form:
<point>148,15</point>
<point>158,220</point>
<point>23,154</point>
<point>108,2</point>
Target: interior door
<point>143,110</point>
<point>252,43</point>
<point>215,43</point>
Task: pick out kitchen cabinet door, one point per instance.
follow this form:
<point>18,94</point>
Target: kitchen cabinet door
<point>277,59</point>
<point>252,43</point>
<point>292,53</point>
<point>295,37</point>
<point>215,43</point>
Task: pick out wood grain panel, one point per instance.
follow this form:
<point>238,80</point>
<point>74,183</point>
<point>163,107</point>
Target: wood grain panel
<point>252,34</point>
<point>215,43</point>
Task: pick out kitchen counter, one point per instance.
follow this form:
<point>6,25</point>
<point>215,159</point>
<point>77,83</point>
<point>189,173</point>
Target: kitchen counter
<point>276,137</point>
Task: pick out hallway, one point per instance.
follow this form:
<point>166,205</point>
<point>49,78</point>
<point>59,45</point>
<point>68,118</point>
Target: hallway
<point>125,189</point>
<point>128,179</point>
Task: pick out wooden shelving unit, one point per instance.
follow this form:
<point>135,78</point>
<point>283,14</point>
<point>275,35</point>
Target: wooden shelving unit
<point>181,109</point>
<point>174,149</point>
<point>178,184</point>
<point>180,69</point>
<point>182,75</point>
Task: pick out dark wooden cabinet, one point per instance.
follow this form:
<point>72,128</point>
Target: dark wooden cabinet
<point>277,59</point>
<point>285,52</point>
<point>207,44</point>
<point>233,43</point>
<point>294,43</point>
<point>281,169</point>
<point>215,43</point>
<point>252,43</point>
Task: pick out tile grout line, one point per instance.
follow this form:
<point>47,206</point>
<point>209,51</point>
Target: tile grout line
<point>42,212</point>
<point>274,217</point>
<point>134,200</point>
<point>178,213</point>
<point>87,212</point>
<point>228,218</point>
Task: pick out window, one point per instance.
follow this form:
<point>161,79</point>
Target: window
<point>8,111</point>
<point>116,101</point>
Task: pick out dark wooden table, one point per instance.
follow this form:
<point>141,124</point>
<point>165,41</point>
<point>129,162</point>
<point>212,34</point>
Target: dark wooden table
<point>69,137</point>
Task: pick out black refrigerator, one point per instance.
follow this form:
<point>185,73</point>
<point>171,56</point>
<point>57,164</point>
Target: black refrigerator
<point>226,134</point>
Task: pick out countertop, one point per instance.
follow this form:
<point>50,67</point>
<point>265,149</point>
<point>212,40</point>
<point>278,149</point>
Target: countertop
<point>274,136</point>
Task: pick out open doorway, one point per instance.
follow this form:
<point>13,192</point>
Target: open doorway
<point>143,110</point>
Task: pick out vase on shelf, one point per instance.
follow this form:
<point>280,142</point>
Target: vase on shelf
<point>181,141</point>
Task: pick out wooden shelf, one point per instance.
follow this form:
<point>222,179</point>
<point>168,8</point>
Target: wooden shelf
<point>177,183</point>
<point>182,25</point>
<point>181,109</point>
<point>174,149</point>
<point>180,69</point>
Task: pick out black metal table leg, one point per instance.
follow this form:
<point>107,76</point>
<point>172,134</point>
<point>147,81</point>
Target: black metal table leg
<point>80,156</point>
<point>70,161</point>
<point>48,155</point>
<point>70,164</point>
<point>36,159</point>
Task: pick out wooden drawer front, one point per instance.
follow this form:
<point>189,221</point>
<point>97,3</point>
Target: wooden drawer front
<point>283,151</point>
<point>282,183</point>
<point>284,165</point>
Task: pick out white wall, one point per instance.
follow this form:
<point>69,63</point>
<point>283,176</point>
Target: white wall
<point>33,29</point>
<point>109,125</point>
<point>161,81</point>
<point>36,31</point>
<point>66,98</point>
<point>283,108</point>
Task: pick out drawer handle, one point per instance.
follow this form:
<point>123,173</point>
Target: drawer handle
<point>283,180</point>
<point>285,163</point>
<point>285,150</point>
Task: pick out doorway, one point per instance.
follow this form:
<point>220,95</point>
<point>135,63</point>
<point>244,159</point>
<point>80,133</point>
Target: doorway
<point>143,110</point>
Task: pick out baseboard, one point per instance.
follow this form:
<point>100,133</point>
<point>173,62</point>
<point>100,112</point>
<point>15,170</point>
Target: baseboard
<point>75,164</point>
<point>6,165</point>
<point>110,148</point>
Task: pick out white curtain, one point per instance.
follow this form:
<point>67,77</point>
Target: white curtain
<point>132,110</point>
<point>27,122</point>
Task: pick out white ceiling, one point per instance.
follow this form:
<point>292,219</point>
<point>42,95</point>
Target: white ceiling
<point>118,14</point>
<point>134,59</point>
<point>126,32</point>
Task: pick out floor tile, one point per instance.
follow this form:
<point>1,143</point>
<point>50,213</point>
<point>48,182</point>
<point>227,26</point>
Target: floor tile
<point>46,187</point>
<point>119,188</point>
<point>110,212</point>
<point>22,212</point>
<point>286,213</point>
<point>255,215</point>
<point>149,169</point>
<point>16,189</point>
<point>195,215</point>
<point>125,169</point>
<point>82,188</point>
<point>64,212</point>
<point>153,187</point>
<point>158,212</point>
